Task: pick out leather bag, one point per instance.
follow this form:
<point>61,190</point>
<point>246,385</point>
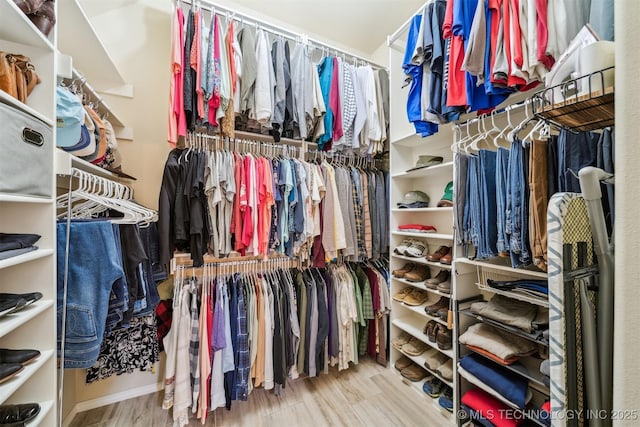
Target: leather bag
<point>29,6</point>
<point>45,17</point>
<point>18,75</point>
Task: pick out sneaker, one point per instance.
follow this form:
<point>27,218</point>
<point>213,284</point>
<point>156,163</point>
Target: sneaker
<point>433,387</point>
<point>402,247</point>
<point>446,399</point>
<point>417,249</point>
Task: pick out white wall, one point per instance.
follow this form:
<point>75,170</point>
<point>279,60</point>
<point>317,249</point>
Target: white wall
<point>626,394</point>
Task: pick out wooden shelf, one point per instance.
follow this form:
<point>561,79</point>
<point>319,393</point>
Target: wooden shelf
<point>29,256</point>
<point>18,28</point>
<point>10,322</point>
<point>45,408</point>
<point>11,198</point>
<point>423,235</point>
<point>422,261</point>
<point>411,327</point>
<point>502,264</point>
<point>421,285</point>
<point>9,387</point>
<point>420,173</point>
<point>431,210</point>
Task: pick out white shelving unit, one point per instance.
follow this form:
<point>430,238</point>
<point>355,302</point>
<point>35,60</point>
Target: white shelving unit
<point>405,148</point>
<point>34,327</point>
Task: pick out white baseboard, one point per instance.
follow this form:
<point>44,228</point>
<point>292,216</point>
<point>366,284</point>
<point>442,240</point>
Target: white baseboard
<point>109,399</point>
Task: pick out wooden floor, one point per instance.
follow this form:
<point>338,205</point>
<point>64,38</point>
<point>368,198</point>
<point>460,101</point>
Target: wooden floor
<point>365,395</point>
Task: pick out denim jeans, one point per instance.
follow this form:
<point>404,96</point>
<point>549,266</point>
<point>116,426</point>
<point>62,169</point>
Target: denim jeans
<point>473,195</point>
<point>606,155</point>
<point>119,297</point>
<point>575,151</point>
<point>517,222</point>
<point>94,267</point>
<point>502,168</point>
<point>460,200</point>
<point>489,232</point>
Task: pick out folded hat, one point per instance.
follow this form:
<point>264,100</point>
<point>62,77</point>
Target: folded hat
<point>426,161</point>
<point>418,228</point>
<point>69,118</point>
<point>414,199</point>
<point>447,197</point>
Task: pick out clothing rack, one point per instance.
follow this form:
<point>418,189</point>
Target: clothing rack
<point>253,264</point>
<point>245,142</point>
<point>393,37</point>
<point>277,30</point>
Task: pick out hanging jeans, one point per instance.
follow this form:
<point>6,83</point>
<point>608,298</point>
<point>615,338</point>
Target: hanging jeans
<point>517,207</point>
<point>94,268</point>
<point>488,225</point>
<point>606,155</point>
<point>473,205</point>
<point>575,151</point>
<point>502,172</point>
<point>460,200</point>
<point>538,201</point>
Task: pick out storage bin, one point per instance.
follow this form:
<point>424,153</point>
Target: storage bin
<point>26,154</point>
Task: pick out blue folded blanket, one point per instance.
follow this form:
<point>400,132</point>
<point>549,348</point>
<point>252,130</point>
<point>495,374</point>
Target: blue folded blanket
<point>508,384</point>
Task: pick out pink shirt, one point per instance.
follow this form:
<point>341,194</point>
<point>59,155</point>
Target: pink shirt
<point>334,102</point>
<point>247,214</point>
<point>196,61</point>
<point>177,119</point>
<point>214,101</point>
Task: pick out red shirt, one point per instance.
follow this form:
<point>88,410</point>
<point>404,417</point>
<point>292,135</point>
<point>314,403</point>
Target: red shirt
<point>456,87</point>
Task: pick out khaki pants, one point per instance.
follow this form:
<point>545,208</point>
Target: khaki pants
<point>538,200</point>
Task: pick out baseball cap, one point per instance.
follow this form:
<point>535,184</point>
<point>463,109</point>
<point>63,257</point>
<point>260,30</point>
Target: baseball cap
<point>426,161</point>
<point>414,199</point>
<point>447,198</point>
<point>112,143</point>
<point>88,129</point>
<point>69,118</point>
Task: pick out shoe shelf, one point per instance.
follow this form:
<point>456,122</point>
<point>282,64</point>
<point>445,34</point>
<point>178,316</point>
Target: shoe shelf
<point>422,210</point>
<point>420,360</point>
<point>421,285</point>
<point>503,264</point>
<point>437,236</point>
<point>412,327</point>
<point>29,256</point>
<point>536,338</point>
<point>10,322</point>
<point>521,297</point>
<point>422,261</point>
<point>526,367</point>
<point>419,309</point>
<point>10,386</point>
<point>45,409</point>
<point>424,172</point>
<point>417,386</point>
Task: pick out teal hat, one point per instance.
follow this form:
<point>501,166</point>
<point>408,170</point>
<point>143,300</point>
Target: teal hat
<point>69,118</point>
<point>447,198</point>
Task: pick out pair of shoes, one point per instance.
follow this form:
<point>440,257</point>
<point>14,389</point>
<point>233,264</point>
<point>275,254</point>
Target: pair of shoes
<point>12,303</point>
<point>400,273</point>
<point>414,347</point>
<point>433,387</point>
<point>412,248</point>
<point>443,255</point>
<point>12,362</point>
<point>416,297</point>
<point>418,274</point>
<point>402,363</point>
<point>441,277</point>
<point>433,359</point>
<point>446,370</point>
<point>18,415</point>
<point>413,373</point>
<point>444,338</point>
<point>442,303</point>
<point>446,399</point>
<point>402,338</point>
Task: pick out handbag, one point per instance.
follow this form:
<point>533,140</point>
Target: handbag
<point>44,18</point>
<point>18,75</point>
<point>29,6</point>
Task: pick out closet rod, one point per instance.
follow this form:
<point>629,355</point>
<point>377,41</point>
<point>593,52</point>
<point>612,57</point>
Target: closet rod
<point>526,103</point>
<point>393,37</point>
<point>88,89</point>
<point>275,29</point>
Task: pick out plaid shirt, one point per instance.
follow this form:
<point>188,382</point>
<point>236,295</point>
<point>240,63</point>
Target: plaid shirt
<point>367,309</point>
<point>357,206</point>
<point>194,343</point>
<point>164,314</point>
<point>241,389</point>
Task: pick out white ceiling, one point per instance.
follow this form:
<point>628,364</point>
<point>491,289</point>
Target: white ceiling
<point>361,25</point>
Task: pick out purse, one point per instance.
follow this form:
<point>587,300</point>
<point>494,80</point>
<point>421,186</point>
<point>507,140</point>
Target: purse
<point>44,18</point>
<point>29,6</point>
<point>18,75</point>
